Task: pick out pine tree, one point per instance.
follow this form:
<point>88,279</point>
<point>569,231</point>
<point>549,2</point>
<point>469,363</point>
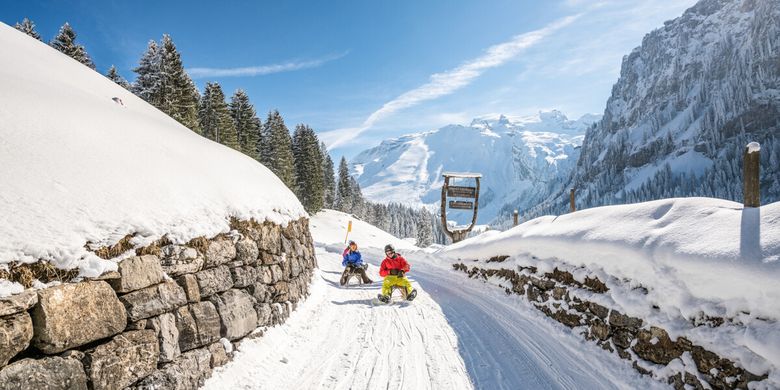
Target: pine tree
<point>424,229</point>
<point>147,84</point>
<point>246,123</point>
<point>329,180</point>
<point>28,27</point>
<point>114,76</point>
<point>65,42</point>
<point>308,168</point>
<point>344,191</point>
<point>276,148</point>
<point>214,117</point>
<point>358,203</point>
<point>179,96</point>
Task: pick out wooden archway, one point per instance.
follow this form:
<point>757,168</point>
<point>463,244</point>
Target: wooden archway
<point>459,192</point>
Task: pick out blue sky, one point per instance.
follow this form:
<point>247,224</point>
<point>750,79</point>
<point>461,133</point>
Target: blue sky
<point>362,71</point>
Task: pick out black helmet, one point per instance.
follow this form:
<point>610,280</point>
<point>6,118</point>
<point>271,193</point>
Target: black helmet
<point>389,248</point>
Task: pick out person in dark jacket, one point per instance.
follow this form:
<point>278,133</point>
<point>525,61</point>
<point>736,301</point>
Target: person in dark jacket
<point>394,268</point>
<point>353,263</point>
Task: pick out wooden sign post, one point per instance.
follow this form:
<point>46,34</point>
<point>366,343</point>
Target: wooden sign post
<point>751,192</point>
<point>459,192</point>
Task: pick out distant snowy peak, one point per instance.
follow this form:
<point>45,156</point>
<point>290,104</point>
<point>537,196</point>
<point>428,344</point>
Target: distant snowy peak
<point>520,158</point>
<point>553,121</point>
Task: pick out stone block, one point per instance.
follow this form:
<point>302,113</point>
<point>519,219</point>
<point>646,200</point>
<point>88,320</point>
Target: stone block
<point>50,373</point>
<point>16,331</point>
<point>265,314</point>
<point>220,251</point>
<point>154,300</point>
<point>247,252</point>
<point>237,313</point>
<point>218,355</point>
<point>187,372</point>
<point>655,345</point>
<point>198,324</point>
<point>164,327</point>
<point>137,272</point>
<point>243,276</point>
<point>270,239</point>
<point>122,361</point>
<point>623,321</point>
<point>214,280</point>
<point>18,303</point>
<point>179,260</point>
<point>189,283</point>
<point>71,315</point>
<point>260,292</point>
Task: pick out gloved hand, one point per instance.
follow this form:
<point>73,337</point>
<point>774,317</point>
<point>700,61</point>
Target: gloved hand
<point>400,273</point>
<point>365,266</point>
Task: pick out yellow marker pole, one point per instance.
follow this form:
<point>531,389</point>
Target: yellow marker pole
<point>349,229</point>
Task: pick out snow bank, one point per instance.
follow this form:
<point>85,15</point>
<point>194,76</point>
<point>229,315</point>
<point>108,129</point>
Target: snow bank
<point>84,160</point>
<point>696,257</point>
<point>329,227</point>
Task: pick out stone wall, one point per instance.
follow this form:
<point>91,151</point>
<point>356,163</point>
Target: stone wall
<point>649,348</point>
<point>164,320</point>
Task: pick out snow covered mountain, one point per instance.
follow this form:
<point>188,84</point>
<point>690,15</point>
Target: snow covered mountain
<point>522,159</point>
<point>687,102</point>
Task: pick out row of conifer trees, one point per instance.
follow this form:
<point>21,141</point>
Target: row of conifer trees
<point>301,161</point>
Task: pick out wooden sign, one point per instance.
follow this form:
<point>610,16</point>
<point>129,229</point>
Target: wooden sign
<point>456,204</point>
<point>461,192</point>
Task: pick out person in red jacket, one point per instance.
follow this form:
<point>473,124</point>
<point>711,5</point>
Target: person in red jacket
<point>393,269</point>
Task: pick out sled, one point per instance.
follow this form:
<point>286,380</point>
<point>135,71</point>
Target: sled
<point>354,278</point>
<point>395,293</point>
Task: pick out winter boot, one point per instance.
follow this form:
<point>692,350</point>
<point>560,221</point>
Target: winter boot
<point>411,295</point>
<point>383,298</point>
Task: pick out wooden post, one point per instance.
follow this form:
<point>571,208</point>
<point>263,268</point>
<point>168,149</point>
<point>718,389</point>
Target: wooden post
<point>516,215</point>
<point>572,206</point>
<point>751,192</point>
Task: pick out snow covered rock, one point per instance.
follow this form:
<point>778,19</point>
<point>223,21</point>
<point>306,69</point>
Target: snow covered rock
<point>51,373</point>
<point>122,361</point>
<point>16,331</point>
<point>72,315</point>
<point>688,100</point>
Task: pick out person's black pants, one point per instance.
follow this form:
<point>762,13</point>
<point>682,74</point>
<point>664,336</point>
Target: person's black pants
<point>354,270</point>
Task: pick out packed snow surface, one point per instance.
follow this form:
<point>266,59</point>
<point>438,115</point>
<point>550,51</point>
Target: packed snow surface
<point>85,161</point>
<point>457,334</point>
<point>691,258</point>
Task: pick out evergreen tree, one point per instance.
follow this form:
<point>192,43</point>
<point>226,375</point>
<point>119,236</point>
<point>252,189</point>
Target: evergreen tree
<point>358,203</point>
<point>246,123</point>
<point>424,229</point>
<point>214,116</point>
<point>344,190</point>
<point>179,96</point>
<point>147,84</point>
<point>65,42</point>
<point>329,180</point>
<point>308,168</point>
<point>114,76</point>
<point>28,27</point>
<point>276,148</point>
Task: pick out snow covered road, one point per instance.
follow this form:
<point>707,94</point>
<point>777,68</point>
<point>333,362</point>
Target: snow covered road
<point>337,340</point>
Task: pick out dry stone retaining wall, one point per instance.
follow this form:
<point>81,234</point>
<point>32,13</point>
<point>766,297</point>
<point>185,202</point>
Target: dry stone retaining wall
<point>163,320</point>
<point>646,346</point>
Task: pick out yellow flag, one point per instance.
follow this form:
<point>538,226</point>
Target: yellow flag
<point>349,227</point>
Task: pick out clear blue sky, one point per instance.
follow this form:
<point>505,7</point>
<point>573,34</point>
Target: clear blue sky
<point>335,64</point>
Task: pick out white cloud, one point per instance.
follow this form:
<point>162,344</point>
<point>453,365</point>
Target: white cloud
<point>198,73</point>
<point>447,82</point>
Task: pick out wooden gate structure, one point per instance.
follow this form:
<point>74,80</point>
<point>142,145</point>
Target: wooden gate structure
<point>463,193</point>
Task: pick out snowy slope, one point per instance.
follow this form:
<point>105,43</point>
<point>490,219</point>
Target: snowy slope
<point>78,167</point>
<point>522,160</point>
<point>696,257</point>
<point>687,102</point>
<point>457,334</point>
<point>329,227</point>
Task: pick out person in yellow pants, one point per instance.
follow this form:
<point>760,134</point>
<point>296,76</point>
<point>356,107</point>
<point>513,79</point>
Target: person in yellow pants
<point>393,269</point>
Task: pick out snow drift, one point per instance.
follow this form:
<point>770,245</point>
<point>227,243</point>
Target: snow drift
<point>674,262</point>
<point>85,161</point>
